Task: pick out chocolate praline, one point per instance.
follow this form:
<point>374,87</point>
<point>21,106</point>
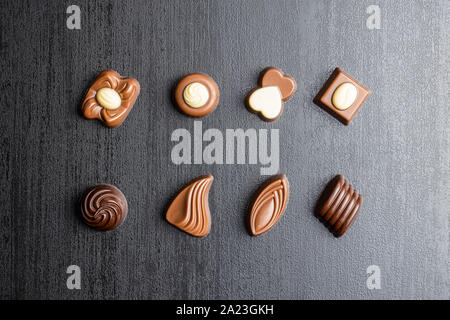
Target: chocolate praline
<point>104,207</point>
<point>338,205</point>
<point>268,204</point>
<point>189,211</point>
<point>343,113</point>
<point>110,98</point>
<point>205,82</point>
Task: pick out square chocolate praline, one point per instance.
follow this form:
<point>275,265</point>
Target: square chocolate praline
<point>324,98</point>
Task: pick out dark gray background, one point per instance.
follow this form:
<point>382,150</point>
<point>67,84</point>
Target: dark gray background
<point>396,151</point>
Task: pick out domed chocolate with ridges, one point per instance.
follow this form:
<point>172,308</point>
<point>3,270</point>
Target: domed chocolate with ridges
<point>104,207</point>
<point>338,205</point>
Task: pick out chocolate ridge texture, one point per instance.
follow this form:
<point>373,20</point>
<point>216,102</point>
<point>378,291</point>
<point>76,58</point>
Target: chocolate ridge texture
<point>104,207</point>
<point>338,205</point>
<point>189,211</point>
<point>268,204</point>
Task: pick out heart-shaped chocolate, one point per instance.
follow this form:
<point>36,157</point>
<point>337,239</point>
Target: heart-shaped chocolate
<point>266,101</point>
<point>275,77</point>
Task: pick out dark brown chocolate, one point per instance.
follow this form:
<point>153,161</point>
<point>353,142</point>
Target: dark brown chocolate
<point>274,88</point>
<point>110,98</point>
<point>104,207</point>
<point>197,95</point>
<point>189,211</point>
<point>324,99</point>
<point>338,205</point>
<point>268,204</point>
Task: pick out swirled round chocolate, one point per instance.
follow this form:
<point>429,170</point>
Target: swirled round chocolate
<point>196,95</point>
<point>104,207</point>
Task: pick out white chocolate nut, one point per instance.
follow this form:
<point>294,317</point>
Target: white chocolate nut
<point>196,95</point>
<point>344,96</point>
<point>108,98</point>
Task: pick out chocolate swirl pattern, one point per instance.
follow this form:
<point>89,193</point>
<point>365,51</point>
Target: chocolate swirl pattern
<point>196,94</point>
<point>189,211</point>
<point>104,207</point>
<point>338,205</point>
<point>268,204</point>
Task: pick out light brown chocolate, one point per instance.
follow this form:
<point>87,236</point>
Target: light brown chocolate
<point>275,77</point>
<point>209,105</point>
<point>128,90</point>
<point>338,205</point>
<point>189,211</point>
<point>324,97</point>
<point>268,204</point>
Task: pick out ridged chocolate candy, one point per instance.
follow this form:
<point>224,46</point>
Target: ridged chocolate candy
<point>104,207</point>
<point>189,211</point>
<point>338,205</point>
<point>268,204</point>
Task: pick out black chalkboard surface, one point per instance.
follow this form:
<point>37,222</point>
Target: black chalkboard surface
<point>396,151</point>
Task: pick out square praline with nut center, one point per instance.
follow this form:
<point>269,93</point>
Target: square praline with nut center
<point>324,98</point>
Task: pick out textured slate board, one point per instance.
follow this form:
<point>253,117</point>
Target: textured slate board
<point>396,152</point>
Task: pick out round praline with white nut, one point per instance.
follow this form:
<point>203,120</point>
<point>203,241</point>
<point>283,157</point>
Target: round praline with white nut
<point>196,95</point>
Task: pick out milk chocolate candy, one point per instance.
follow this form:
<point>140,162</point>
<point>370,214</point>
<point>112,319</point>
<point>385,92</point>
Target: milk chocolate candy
<point>189,211</point>
<point>268,204</point>
<point>341,96</point>
<point>196,95</point>
<point>338,205</point>
<point>110,98</point>
<point>104,207</point>
<point>274,88</point>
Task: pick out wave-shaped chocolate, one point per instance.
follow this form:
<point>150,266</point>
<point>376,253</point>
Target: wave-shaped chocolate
<point>189,211</point>
<point>268,204</point>
<point>338,205</point>
<point>104,207</point>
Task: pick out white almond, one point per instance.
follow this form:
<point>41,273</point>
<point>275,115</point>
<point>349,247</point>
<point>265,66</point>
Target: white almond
<point>108,98</point>
<point>344,96</point>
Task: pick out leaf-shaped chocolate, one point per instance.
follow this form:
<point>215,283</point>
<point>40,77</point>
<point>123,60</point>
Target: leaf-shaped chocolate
<point>189,211</point>
<point>268,204</point>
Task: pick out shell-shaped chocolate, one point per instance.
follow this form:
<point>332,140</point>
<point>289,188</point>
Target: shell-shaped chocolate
<point>189,211</point>
<point>338,205</point>
<point>268,204</point>
<point>104,207</point>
